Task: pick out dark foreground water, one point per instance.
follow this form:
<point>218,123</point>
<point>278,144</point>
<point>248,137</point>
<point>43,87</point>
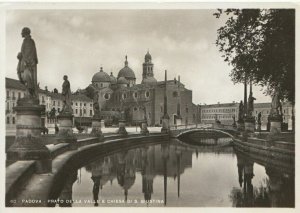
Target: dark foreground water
<point>179,174</point>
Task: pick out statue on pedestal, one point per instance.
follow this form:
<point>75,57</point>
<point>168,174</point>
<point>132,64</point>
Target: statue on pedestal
<point>241,112</point>
<point>250,107</point>
<point>276,107</point>
<point>27,65</point>
<point>66,93</point>
<point>259,118</point>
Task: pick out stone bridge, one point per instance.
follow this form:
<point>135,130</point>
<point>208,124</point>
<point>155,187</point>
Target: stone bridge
<point>213,130</point>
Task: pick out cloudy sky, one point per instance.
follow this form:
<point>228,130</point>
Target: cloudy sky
<point>78,42</point>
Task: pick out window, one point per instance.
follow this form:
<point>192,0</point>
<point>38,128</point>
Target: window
<point>13,94</point>
<point>7,105</point>
<point>58,109</point>
<point>107,96</point>
<point>147,94</point>
<point>7,120</point>
<point>76,104</point>
<point>91,105</point>
<point>124,96</point>
<point>80,112</point>
<point>19,95</point>
<point>13,106</point>
<point>76,111</point>
<point>80,104</point>
<point>13,120</point>
<point>54,103</point>
<point>135,95</point>
<point>84,104</point>
<point>84,111</point>
<point>91,112</point>
<point>7,94</point>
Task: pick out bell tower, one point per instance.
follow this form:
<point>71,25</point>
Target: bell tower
<point>148,66</point>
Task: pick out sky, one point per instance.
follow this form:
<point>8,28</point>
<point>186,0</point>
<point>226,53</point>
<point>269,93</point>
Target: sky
<point>78,42</point>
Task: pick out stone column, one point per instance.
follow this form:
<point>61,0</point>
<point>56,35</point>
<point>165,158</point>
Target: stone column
<point>65,134</point>
<point>165,119</point>
<point>28,144</point>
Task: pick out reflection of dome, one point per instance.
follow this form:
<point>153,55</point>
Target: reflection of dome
<point>101,76</point>
<point>148,56</point>
<point>122,80</point>
<point>126,72</point>
<point>113,80</point>
<point>149,80</point>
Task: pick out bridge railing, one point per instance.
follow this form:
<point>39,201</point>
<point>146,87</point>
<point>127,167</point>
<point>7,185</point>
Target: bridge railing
<point>190,126</point>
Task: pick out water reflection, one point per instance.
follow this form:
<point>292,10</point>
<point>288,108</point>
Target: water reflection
<point>179,174</point>
<point>275,191</point>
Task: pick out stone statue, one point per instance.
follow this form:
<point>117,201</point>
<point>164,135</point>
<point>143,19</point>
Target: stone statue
<point>250,108</point>
<point>276,107</point>
<point>259,118</point>
<point>66,93</point>
<point>27,65</point>
<point>241,111</point>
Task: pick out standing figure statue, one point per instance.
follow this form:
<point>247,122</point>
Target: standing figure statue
<point>241,111</point>
<point>276,107</point>
<point>250,108</point>
<point>259,118</point>
<point>27,65</point>
<point>66,93</point>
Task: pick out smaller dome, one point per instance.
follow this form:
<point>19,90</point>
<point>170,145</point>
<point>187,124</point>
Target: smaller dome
<point>148,56</point>
<point>149,80</point>
<point>101,76</point>
<point>122,80</point>
<point>113,80</point>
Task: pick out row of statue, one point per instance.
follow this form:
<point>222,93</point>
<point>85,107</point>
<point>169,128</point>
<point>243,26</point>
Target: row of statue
<point>27,73</point>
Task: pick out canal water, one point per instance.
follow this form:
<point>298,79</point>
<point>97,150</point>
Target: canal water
<point>208,174</point>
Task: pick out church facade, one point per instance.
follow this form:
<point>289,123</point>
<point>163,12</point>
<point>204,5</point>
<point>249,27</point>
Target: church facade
<point>144,100</point>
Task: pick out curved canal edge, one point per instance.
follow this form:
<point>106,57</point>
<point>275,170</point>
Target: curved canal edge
<point>279,154</point>
<point>28,189</point>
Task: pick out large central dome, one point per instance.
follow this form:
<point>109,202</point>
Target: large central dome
<point>101,76</point>
<point>126,72</point>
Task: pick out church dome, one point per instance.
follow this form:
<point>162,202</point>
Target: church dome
<point>126,72</point>
<point>149,80</point>
<point>122,80</point>
<point>101,76</point>
<point>148,57</point>
<point>113,80</point>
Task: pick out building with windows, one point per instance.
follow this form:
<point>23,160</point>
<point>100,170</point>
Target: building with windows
<point>82,106</point>
<point>225,112</point>
<point>122,93</point>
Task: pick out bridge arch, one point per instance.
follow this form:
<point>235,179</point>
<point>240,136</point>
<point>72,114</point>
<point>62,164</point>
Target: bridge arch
<point>189,131</point>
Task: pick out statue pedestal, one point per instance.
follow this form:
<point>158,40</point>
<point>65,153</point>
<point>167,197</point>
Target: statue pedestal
<point>65,134</point>
<point>178,121</point>
<point>275,127</point>
<point>122,129</point>
<point>250,124</point>
<point>144,129</point>
<point>28,144</point>
<point>96,127</point>
<point>165,125</point>
<point>240,125</point>
<point>259,127</point>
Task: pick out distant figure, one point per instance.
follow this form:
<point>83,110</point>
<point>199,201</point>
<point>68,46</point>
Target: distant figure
<point>241,111</point>
<point>45,130</point>
<point>27,65</point>
<point>56,129</point>
<point>66,93</point>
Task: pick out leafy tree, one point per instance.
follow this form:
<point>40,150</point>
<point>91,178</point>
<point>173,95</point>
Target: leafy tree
<point>260,45</point>
<point>55,91</point>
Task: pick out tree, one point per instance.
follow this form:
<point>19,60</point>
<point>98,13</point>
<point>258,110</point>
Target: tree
<point>55,90</point>
<point>260,44</point>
